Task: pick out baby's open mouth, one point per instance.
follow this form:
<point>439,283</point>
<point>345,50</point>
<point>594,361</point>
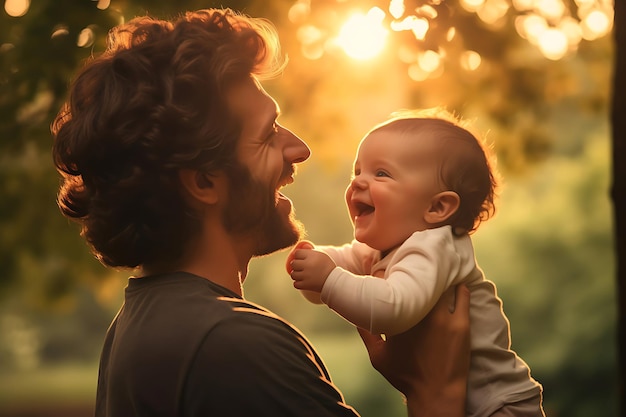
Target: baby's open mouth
<point>363,209</point>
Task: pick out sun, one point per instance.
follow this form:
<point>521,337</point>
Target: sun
<point>363,36</point>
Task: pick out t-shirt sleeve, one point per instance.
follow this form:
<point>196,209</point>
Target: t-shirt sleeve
<point>256,365</point>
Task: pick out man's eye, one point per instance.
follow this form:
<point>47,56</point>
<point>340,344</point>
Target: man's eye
<point>273,131</point>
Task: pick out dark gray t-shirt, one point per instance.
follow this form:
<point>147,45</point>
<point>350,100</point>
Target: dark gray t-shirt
<point>184,346</point>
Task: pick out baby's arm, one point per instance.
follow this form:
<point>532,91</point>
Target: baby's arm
<point>423,271</point>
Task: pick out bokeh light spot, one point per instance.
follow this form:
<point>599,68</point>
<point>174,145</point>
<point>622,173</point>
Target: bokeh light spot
<point>472,5</point>
<point>551,9</point>
<point>16,8</point>
<point>427,11</point>
<point>311,41</point>
<point>571,29</point>
<point>6,47</point>
<point>470,60</point>
<point>523,5</point>
<point>396,8</point>
<point>103,4</point>
<point>299,12</point>
<point>450,34</point>
<point>492,11</point>
<point>531,27</point>
<point>597,23</point>
<point>553,44</point>
<point>59,31</point>
<point>86,38</point>
<point>417,73</point>
<point>417,25</point>
<point>309,34</point>
<point>429,60</point>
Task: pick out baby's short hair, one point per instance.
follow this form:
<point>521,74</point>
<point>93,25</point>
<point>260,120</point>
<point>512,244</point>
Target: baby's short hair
<point>467,166</point>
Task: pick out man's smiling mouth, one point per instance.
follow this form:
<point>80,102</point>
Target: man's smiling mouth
<point>288,178</point>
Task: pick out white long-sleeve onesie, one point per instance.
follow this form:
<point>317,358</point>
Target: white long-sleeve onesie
<point>415,275</point>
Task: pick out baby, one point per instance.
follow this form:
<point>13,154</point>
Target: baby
<point>421,185</point>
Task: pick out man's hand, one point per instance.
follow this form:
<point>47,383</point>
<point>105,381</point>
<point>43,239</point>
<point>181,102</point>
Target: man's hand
<point>429,363</point>
<point>308,267</point>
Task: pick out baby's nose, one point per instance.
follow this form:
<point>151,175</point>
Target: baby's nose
<point>358,182</point>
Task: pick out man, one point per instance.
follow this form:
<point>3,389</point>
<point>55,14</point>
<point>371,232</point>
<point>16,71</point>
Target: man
<point>172,159</point>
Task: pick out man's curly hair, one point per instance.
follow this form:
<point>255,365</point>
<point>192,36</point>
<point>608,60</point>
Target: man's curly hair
<point>152,103</point>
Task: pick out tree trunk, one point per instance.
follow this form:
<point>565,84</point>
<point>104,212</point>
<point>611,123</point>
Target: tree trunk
<point>618,189</point>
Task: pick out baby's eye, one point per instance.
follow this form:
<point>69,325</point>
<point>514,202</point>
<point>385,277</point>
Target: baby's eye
<point>381,174</point>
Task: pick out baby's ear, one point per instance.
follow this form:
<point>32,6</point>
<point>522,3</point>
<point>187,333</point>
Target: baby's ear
<point>442,206</point>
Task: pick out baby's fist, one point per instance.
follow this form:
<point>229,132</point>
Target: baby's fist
<point>303,244</point>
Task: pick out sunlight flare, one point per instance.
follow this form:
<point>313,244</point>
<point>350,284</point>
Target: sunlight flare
<point>363,37</point>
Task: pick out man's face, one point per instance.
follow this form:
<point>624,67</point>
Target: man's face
<point>267,154</point>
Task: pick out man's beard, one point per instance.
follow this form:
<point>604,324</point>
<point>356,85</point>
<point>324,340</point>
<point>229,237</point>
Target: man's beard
<point>251,210</point>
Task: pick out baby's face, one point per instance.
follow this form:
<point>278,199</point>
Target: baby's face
<point>395,177</point>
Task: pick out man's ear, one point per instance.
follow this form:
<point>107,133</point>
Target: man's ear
<point>200,186</point>
<point>442,206</point>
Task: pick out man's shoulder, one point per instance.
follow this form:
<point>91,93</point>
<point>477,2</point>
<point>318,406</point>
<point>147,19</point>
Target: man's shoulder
<point>254,320</point>
<point>215,309</point>
<point>181,302</point>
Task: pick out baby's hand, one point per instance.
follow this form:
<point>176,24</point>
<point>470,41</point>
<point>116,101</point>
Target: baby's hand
<point>303,244</point>
<point>308,267</point>
<point>312,296</point>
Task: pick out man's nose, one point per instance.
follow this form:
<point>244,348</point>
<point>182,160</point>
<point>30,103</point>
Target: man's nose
<point>296,150</point>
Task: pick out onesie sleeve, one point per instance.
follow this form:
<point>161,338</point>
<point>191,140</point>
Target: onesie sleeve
<point>419,273</point>
<point>356,257</point>
<point>254,365</point>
